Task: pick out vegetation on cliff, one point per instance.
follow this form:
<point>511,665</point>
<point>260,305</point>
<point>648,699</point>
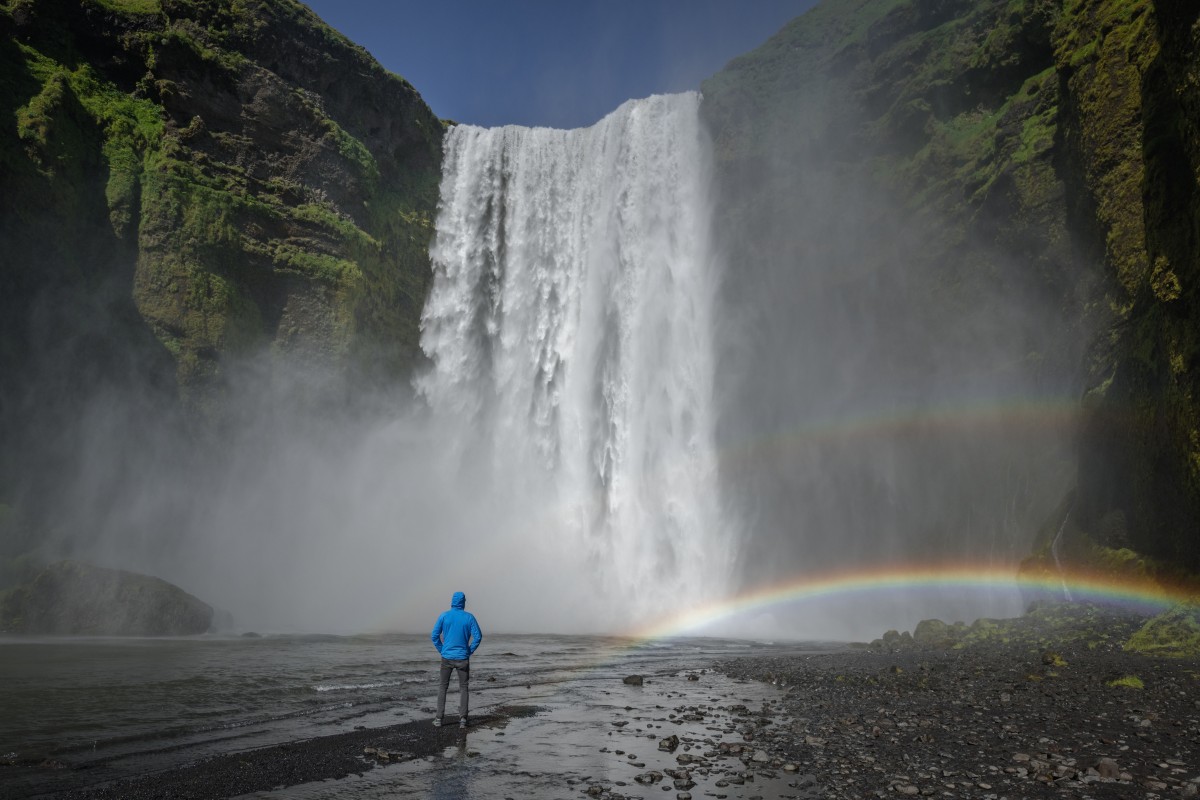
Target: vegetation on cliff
<point>1042,149</point>
<point>268,182</point>
<point>186,185</point>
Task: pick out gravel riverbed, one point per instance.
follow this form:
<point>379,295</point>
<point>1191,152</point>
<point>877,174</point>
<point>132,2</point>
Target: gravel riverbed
<point>1049,705</point>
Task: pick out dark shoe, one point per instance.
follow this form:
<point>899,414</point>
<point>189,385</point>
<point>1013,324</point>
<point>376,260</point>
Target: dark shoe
<point>462,722</point>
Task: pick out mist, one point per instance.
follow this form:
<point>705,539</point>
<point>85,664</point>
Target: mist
<point>655,378</point>
<point>897,384</point>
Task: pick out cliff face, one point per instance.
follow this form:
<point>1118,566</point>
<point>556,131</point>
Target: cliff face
<point>1131,71</point>
<point>1033,154</point>
<point>67,598</point>
<point>922,202</point>
<point>274,184</point>
<point>189,182</point>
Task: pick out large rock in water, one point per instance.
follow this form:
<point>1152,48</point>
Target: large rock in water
<point>80,599</point>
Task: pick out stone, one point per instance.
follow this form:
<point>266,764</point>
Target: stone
<point>760,756</point>
<point>935,633</point>
<point>633,680</point>
<point>668,743</point>
<point>74,598</point>
<point>1107,768</point>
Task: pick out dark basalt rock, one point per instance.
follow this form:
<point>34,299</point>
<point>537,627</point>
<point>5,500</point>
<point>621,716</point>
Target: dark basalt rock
<point>71,598</point>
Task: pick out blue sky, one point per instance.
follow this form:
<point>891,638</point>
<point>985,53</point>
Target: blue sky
<point>561,63</point>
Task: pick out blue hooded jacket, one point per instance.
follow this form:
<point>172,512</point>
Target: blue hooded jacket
<point>456,634</point>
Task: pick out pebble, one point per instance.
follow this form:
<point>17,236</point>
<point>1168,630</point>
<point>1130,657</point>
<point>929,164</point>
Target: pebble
<point>989,718</point>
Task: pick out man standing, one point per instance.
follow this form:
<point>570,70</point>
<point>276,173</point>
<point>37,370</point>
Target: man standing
<point>456,636</point>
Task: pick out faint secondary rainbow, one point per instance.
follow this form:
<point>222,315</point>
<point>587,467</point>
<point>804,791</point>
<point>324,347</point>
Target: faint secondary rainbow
<point>992,415</point>
<point>1084,586</point>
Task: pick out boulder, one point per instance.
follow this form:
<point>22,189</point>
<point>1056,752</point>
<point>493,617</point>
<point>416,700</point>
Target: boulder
<point>73,598</point>
<point>935,633</point>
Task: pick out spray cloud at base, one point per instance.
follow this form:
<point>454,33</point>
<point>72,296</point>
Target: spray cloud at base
<point>651,386</point>
<point>557,462</point>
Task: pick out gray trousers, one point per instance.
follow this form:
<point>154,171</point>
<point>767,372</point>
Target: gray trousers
<point>464,675</point>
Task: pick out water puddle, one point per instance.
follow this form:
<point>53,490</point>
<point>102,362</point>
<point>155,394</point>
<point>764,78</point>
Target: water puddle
<point>688,733</point>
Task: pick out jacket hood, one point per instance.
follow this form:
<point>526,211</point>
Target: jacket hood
<point>458,601</point>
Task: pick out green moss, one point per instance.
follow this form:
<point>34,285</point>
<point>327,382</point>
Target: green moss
<point>1164,282</point>
<point>221,237</point>
<point>1175,633</point>
<point>1127,682</point>
<point>1053,659</point>
<point>328,218</point>
<point>315,265</point>
<point>1107,48</point>
<point>132,6</point>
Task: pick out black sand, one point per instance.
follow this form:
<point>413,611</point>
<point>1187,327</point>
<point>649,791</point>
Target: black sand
<point>318,759</point>
<point>1038,709</point>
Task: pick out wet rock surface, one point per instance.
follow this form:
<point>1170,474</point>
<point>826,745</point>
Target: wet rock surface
<point>1044,706</point>
<point>320,759</point>
<point>997,717</point>
<point>75,598</point>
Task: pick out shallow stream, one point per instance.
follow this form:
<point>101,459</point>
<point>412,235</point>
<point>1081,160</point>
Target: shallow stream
<point>119,707</point>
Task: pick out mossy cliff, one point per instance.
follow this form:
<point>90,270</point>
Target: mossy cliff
<point>1133,73</point>
<point>218,177</point>
<point>1039,150</point>
<point>186,187</point>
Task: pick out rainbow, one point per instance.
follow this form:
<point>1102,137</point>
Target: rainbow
<point>1137,593</point>
<point>1090,587</point>
<point>992,415</point>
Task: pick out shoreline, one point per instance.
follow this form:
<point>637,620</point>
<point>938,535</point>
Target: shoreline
<point>1047,705</point>
<point>320,758</point>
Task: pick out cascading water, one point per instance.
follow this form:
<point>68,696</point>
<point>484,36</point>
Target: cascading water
<point>569,330</point>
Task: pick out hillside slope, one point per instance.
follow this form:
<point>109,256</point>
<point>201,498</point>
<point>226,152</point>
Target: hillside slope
<point>185,185</point>
<point>1032,164</point>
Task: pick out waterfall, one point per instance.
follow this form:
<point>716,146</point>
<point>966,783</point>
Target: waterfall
<point>569,330</point>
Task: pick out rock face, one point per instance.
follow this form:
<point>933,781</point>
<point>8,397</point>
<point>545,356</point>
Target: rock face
<point>1134,117</point>
<point>184,183</point>
<point>1024,155</point>
<point>78,599</point>
<point>186,186</point>
<point>259,179</point>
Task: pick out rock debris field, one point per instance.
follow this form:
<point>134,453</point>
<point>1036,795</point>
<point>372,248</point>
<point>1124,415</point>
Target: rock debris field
<point>1047,705</point>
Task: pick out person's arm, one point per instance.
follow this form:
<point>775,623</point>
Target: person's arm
<point>436,634</point>
<point>476,636</point>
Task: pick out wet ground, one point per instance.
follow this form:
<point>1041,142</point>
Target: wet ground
<point>673,733</point>
<point>550,724</point>
<point>1002,718</point>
